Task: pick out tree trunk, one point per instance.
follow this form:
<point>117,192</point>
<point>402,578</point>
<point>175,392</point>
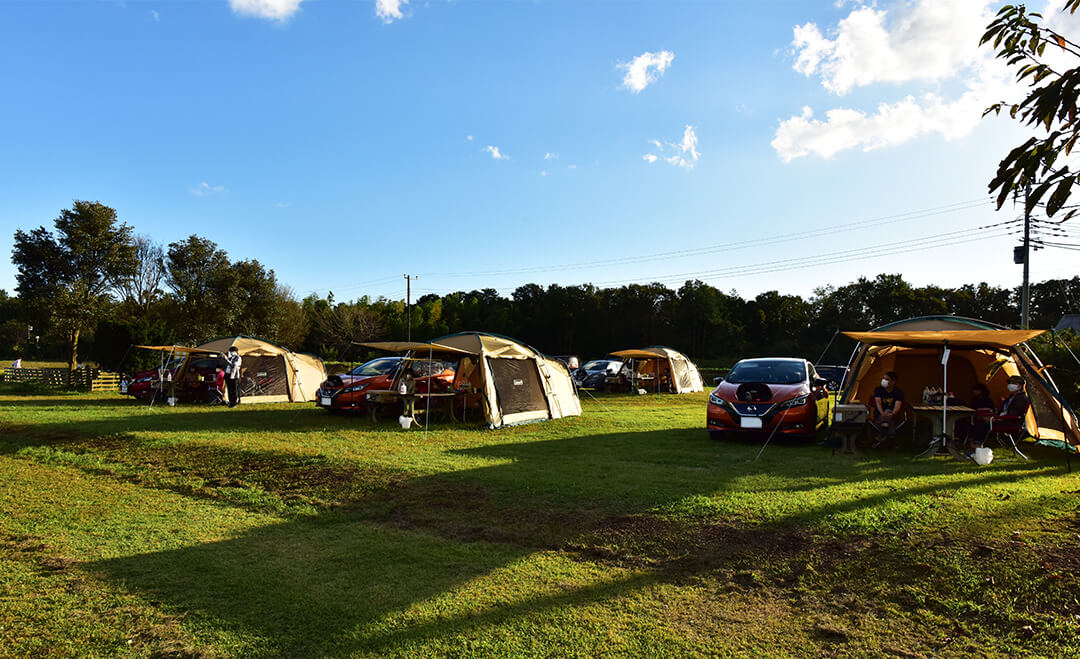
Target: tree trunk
<point>73,360</point>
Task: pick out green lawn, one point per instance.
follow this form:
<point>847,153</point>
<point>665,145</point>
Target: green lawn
<point>281,530</point>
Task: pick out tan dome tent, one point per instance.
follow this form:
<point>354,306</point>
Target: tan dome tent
<point>518,383</point>
<point>978,352</point>
<point>664,364</point>
<point>268,372</point>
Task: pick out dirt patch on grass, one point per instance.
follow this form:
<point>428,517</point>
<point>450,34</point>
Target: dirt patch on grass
<point>128,621</point>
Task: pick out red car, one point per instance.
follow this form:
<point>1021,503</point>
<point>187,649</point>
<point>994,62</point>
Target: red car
<point>146,384</point>
<point>349,392</point>
<point>780,395</point>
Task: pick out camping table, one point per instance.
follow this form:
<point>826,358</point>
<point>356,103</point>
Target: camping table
<point>378,398</point>
<point>933,414</point>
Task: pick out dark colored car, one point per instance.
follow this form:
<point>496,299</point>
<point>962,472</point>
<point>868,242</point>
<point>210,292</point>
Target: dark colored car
<point>594,374</point>
<point>348,392</point>
<point>198,378</point>
<point>784,395</point>
<point>833,374</point>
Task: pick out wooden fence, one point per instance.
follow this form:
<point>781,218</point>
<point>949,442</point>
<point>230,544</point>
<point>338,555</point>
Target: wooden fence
<point>85,379</point>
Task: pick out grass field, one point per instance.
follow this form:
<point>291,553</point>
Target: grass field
<point>281,530</point>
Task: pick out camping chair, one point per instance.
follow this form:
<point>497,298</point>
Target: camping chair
<point>880,433</point>
<point>1007,429</point>
<point>216,396</point>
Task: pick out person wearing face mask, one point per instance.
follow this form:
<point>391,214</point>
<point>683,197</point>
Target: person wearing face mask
<point>886,404</point>
<point>1016,404</point>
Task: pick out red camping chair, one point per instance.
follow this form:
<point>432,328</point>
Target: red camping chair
<point>1007,429</point>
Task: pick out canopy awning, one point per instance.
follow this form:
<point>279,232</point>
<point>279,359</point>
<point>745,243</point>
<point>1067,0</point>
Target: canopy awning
<point>180,350</point>
<point>416,346</point>
<point>639,354</point>
<point>954,338</point>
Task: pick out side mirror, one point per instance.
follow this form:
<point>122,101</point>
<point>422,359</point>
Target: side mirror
<point>718,379</point>
<point>821,382</point>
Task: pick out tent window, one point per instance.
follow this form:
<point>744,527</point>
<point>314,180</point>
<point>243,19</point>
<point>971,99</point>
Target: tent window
<point>682,374</point>
<point>264,376</point>
<point>517,384</point>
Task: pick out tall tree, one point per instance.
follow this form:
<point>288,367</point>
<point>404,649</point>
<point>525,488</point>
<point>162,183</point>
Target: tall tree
<point>66,278</point>
<point>1050,106</point>
<point>143,288</point>
<point>203,284</point>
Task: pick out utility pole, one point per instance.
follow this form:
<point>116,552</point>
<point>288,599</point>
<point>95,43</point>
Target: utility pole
<point>1025,291</point>
<point>408,305</point>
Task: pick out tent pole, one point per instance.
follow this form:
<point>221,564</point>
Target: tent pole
<point>427,409</point>
<point>945,392</point>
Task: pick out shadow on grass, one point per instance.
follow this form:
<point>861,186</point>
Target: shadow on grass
<point>364,574</point>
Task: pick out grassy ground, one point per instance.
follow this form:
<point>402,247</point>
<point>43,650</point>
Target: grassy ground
<point>281,530</point>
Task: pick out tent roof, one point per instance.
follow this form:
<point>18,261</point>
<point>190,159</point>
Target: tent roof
<point>177,349</point>
<point>1068,321</point>
<point>419,346</point>
<point>640,353</point>
<point>967,338</point>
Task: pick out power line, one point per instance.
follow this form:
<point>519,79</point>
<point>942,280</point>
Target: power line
<point>731,246</point>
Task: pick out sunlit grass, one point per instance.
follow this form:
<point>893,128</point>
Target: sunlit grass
<point>130,530</point>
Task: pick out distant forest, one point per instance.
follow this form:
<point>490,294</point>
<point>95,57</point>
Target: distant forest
<point>190,292</point>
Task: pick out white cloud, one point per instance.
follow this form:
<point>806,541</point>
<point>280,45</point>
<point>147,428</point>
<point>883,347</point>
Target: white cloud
<point>924,41</point>
<point>645,69</point>
<point>282,204</point>
<point>389,10</point>
<point>543,172</point>
<point>276,10</point>
<point>157,16</point>
<point>551,156</point>
<point>686,153</point>
<point>495,153</point>
<point>205,188</point>
<point>927,40</point>
<point>468,138</point>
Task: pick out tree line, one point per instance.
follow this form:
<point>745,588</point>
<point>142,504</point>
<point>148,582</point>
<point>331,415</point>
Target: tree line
<point>91,288</point>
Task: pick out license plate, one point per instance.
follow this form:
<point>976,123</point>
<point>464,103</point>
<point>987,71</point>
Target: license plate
<point>840,416</point>
<point>750,422</point>
<point>325,400</point>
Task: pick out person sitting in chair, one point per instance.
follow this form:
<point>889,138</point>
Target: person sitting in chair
<point>886,404</point>
<point>970,431</point>
<point>1016,404</point>
<point>216,390</point>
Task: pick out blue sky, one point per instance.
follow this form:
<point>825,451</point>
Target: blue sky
<point>343,148</point>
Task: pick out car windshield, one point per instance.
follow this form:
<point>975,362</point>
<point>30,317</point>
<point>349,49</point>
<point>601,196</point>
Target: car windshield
<point>423,368</point>
<point>207,363</point>
<point>597,365</point>
<point>770,372</point>
<point>381,366</point>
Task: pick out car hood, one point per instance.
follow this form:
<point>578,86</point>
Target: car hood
<point>780,392</point>
<point>346,380</point>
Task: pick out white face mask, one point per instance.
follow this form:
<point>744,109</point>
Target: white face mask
<point>1014,387</point>
<point>884,383</point>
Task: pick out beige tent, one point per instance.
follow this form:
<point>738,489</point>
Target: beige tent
<point>517,383</point>
<point>666,363</point>
<point>268,372</point>
<point>979,352</point>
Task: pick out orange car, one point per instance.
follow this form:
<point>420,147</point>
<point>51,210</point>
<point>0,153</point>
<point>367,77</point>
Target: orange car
<point>348,392</point>
<point>780,395</point>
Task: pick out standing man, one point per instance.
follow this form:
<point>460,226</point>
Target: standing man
<point>232,375</point>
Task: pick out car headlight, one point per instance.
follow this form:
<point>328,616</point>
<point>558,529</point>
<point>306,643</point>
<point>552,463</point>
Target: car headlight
<point>716,400</point>
<point>146,379</point>
<point>355,387</point>
<point>794,402</point>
